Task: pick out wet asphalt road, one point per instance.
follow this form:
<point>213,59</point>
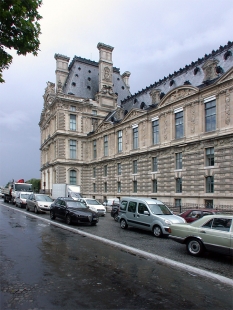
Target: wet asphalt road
<point>45,267</point>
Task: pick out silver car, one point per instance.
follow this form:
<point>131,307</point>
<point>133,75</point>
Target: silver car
<point>148,214</point>
<point>38,203</point>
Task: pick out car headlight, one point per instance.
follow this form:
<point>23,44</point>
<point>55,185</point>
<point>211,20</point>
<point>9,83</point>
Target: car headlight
<point>167,222</point>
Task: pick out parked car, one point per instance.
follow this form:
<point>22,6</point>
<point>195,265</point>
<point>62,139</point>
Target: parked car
<point>115,212</point>
<point>148,214</point>
<point>94,205</point>
<point>192,215</point>
<point>1,194</point>
<point>211,233</point>
<point>73,211</point>
<point>21,200</point>
<point>111,202</point>
<point>38,203</point>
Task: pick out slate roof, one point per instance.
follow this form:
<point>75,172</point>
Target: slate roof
<point>184,75</point>
<point>83,80</point>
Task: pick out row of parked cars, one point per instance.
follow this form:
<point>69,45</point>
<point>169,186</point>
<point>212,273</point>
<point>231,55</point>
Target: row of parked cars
<point>198,229</point>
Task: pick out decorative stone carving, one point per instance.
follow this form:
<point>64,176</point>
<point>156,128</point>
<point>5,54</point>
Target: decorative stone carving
<point>59,86</point>
<point>209,69</point>
<point>227,109</point>
<point>177,94</point>
<point>155,96</point>
<point>107,75</point>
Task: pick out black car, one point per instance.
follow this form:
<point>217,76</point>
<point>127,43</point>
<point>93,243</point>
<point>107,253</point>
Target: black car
<point>72,211</point>
<point>115,212</point>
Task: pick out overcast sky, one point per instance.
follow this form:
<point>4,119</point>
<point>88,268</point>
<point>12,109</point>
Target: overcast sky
<point>151,39</point>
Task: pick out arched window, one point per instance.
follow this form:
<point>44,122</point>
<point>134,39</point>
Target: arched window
<point>73,177</point>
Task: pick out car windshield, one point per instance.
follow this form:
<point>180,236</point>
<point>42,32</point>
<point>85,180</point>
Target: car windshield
<point>24,196</point>
<point>43,198</point>
<point>159,209</point>
<point>23,187</point>
<point>75,205</point>
<point>92,202</point>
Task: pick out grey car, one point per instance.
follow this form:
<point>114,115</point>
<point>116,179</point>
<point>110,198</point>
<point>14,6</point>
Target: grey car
<point>148,214</point>
<point>38,203</point>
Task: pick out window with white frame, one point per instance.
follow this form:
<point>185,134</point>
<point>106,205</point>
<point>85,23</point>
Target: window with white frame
<point>135,166</point>
<point>210,114</point>
<point>179,185</point>
<point>179,123</point>
<point>73,174</point>
<point>119,141</point>
<point>106,145</point>
<point>118,187</point>
<point>154,186</point>
<point>135,137</point>
<point>72,122</point>
<point>209,152</point>
<point>105,170</point>
<point>73,149</point>
<point>135,186</point>
<point>155,131</point>
<point>210,184</point>
<point>179,160</point>
<point>119,168</point>
<point>94,149</point>
<point>154,164</point>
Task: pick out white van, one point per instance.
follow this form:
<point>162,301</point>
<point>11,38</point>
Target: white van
<point>148,214</point>
<point>94,205</point>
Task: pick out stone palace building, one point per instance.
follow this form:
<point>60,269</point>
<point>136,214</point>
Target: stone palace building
<point>172,140</point>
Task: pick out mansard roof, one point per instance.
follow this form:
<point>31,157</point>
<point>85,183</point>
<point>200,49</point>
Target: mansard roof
<point>83,80</point>
<point>192,74</point>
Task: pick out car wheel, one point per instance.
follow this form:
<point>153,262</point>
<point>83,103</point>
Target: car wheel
<point>115,217</point>
<point>27,209</point>
<point>194,247</point>
<point>36,210</point>
<point>123,224</point>
<point>68,219</point>
<point>157,231</point>
<point>52,215</point>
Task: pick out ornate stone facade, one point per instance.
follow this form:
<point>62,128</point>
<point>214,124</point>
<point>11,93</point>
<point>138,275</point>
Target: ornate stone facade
<point>172,141</point>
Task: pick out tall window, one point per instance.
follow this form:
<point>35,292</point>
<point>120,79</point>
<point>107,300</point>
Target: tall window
<point>105,170</point>
<point>119,141</point>
<point>155,131</point>
<point>94,187</point>
<point>135,186</point>
<point>118,187</point>
<point>94,172</point>
<point>154,186</point>
<point>135,166</point>
<point>179,185</point>
<point>154,164</point>
<point>177,202</point>
<point>105,187</point>
<point>179,124</point>
<point>72,149</point>
<point>210,156</point>
<point>94,149</point>
<point>178,160</point>
<point>73,177</point>
<point>135,138</point>
<point>210,115</point>
<point>119,168</point>
<point>105,145</point>
<point>72,122</point>
<point>210,184</point>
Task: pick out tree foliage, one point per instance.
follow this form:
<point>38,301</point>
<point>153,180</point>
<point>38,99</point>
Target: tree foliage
<point>35,184</point>
<point>19,29</point>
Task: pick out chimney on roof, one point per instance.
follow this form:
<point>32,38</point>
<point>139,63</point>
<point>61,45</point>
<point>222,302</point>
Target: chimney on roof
<point>105,65</point>
<point>61,70</point>
<point>125,76</point>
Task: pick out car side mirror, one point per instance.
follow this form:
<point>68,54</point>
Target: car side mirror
<point>146,213</point>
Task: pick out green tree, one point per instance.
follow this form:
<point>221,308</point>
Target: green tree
<point>19,29</point>
<point>35,184</point>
